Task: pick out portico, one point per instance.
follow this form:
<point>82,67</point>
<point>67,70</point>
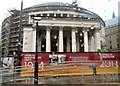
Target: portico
<point>57,37</point>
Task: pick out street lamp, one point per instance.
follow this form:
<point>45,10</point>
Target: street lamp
<point>20,32</point>
<point>36,52</point>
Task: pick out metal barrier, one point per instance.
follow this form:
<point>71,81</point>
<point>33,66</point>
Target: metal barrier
<point>71,72</point>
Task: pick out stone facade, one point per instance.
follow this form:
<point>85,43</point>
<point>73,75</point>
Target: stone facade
<point>62,28</point>
<point>112,32</point>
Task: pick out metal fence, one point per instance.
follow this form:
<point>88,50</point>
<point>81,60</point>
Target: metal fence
<point>69,73</point>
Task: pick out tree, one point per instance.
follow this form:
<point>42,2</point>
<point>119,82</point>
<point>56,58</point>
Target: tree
<point>101,50</point>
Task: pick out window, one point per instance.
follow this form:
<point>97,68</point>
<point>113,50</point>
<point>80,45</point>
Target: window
<point>110,42</point>
<point>38,14</point>
<point>118,46</point>
<point>51,15</point>
<point>70,15</point>
<point>110,47</point>
<point>44,15</point>
<point>58,15</point>
<point>117,40</point>
<point>110,37</point>
<point>64,15</point>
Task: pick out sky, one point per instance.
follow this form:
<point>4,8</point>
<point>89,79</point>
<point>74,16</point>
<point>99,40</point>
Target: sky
<point>104,8</point>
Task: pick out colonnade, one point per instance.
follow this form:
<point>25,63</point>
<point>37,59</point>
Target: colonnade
<point>91,42</point>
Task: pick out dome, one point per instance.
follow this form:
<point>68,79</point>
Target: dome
<point>55,6</point>
<point>52,4</point>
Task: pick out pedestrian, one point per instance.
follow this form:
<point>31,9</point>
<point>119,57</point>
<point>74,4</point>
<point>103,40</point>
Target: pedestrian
<point>94,71</point>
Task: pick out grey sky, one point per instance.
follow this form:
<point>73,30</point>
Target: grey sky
<point>103,8</point>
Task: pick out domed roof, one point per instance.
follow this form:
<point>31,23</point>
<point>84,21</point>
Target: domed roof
<point>52,6</point>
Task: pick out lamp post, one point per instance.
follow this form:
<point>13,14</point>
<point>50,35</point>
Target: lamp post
<point>36,58</point>
<point>36,53</point>
<point>20,32</point>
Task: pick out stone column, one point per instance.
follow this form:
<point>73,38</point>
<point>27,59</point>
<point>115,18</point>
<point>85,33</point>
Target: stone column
<point>28,39</point>
<point>92,44</point>
<point>48,41</point>
<point>39,44</point>
<point>58,44</point>
<point>97,39</point>
<point>34,38</point>
<point>78,42</point>
<point>68,43</point>
<point>73,40</point>
<point>29,19</point>
<point>85,40</point>
<point>61,39</point>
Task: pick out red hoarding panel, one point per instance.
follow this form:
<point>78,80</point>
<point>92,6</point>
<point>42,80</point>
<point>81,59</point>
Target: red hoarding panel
<point>101,60</point>
<point>45,57</point>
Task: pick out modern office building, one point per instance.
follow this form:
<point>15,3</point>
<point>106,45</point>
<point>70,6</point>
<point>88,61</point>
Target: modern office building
<point>63,28</point>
